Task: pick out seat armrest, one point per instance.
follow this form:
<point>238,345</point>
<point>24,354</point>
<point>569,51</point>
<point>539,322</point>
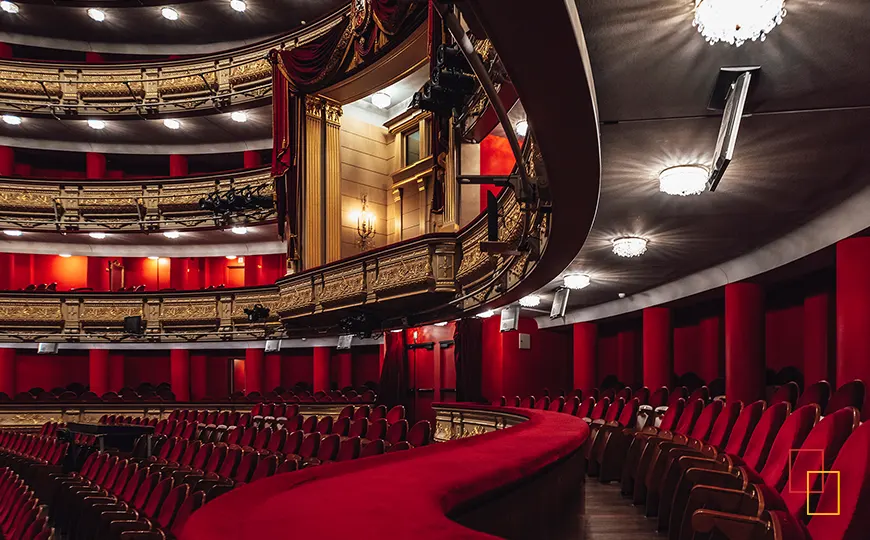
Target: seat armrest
<point>155,534</point>
<point>732,526</point>
<point>117,527</point>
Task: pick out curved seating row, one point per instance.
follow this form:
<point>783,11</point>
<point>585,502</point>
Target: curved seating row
<point>21,515</point>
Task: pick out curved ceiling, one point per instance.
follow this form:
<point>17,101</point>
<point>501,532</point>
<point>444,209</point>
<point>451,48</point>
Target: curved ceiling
<point>203,26</point>
<point>801,149</point>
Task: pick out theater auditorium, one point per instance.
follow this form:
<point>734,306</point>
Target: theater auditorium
<point>430,270</point>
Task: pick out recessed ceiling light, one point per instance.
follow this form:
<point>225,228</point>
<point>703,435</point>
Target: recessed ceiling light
<point>97,14</point>
<point>93,123</point>
<point>172,123</point>
<point>683,180</point>
<point>381,100</point>
<point>171,234</point>
<point>12,120</point>
<point>531,300</point>
<point>231,257</point>
<point>12,232</point>
<point>576,281</point>
<point>396,330</point>
<point>622,295</point>
<point>169,13</point>
<point>486,314</point>
<point>442,323</point>
<point>522,128</point>
<point>239,230</point>
<point>153,258</point>
<point>238,5</point>
<point>629,246</point>
<point>8,7</point>
<point>97,235</point>
<point>239,116</point>
<point>64,255</point>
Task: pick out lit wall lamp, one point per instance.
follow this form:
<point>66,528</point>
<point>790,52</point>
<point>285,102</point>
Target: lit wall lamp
<point>365,224</point>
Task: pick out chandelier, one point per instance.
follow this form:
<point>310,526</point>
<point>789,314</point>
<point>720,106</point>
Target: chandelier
<point>531,300</point>
<point>629,246</point>
<point>576,281</point>
<point>737,21</point>
<point>683,180</point>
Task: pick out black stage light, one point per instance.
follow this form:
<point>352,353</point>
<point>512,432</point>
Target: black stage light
<point>258,313</point>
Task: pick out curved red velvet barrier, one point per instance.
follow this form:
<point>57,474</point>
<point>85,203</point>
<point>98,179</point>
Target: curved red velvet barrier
<point>402,495</point>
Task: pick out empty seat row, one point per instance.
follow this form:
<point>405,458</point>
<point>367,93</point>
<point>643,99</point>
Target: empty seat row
<point>21,515</point>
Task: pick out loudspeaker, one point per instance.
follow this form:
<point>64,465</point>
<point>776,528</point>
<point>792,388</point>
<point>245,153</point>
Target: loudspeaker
<point>510,318</point>
<point>133,325</point>
<point>46,348</point>
<point>273,345</point>
<point>491,217</point>
<point>344,342</point>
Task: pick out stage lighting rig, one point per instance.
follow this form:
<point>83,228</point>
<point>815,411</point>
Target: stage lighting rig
<point>451,84</point>
<point>258,313</point>
<point>237,201</point>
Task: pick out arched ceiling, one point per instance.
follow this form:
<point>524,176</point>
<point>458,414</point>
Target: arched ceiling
<point>801,150</point>
<point>203,26</point>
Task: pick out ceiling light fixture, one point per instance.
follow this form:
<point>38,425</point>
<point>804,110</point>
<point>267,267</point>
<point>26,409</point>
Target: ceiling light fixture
<point>737,21</point>
<point>239,116</point>
<point>531,300</point>
<point>522,127</point>
<point>97,235</point>
<point>64,255</point>
<point>231,257</point>
<point>381,100</point>
<point>442,323</point>
<point>8,7</point>
<point>684,180</point>
<point>153,258</point>
<point>238,5</point>
<point>12,232</point>
<point>239,230</point>
<point>622,295</point>
<point>172,123</point>
<point>12,120</point>
<point>169,13</point>
<point>93,123</point>
<point>171,234</point>
<point>97,14</point>
<point>486,314</point>
<point>396,330</point>
<point>629,246</point>
<point>576,281</point>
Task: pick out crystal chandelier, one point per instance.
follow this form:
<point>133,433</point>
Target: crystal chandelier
<point>629,246</point>
<point>683,180</point>
<point>737,21</point>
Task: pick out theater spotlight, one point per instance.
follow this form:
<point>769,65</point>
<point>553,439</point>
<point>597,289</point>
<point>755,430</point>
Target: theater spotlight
<point>450,85</point>
<point>258,313</point>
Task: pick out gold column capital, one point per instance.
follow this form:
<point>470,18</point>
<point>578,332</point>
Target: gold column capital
<point>333,112</point>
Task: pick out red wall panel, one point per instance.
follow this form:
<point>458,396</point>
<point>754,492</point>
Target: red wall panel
<point>365,365</point>
<point>491,385</point>
<point>608,353</point>
<point>782,345</point>
<point>495,158</point>
<point>297,365</point>
<point>146,366</point>
<point>49,371</point>
<point>687,349</point>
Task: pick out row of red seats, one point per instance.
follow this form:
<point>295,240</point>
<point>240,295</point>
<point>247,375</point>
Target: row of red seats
<point>21,516</point>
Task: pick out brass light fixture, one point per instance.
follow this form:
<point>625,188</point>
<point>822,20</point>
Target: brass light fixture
<point>365,224</point>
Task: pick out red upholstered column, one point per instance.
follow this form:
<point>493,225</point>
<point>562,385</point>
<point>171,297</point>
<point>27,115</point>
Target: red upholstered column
<point>744,342</point>
<point>7,371</point>
<point>5,50</point>
<point>345,373</point>
<point>254,370</point>
<point>7,161</point>
<point>178,273</point>
<point>95,165</point>
<point>198,377</point>
<point>321,368</point>
<point>98,370</point>
<point>657,339</point>
<point>177,165</point>
<point>853,312</point>
<point>585,350</point>
<point>252,159</point>
<point>710,348</point>
<point>273,371</point>
<point>116,371</point>
<point>179,372</point>
<point>817,311</point>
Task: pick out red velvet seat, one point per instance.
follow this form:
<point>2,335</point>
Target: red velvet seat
<point>786,393</point>
<point>701,393</point>
<point>572,405</point>
<point>378,412</point>
<point>346,412</point>
<point>404,445</point>
<point>397,432</point>
<point>358,428</point>
<point>395,414</point>
<point>600,410</point>
<point>528,402</point>
<point>350,449</point>
<point>600,434</point>
<point>499,402</point>
<point>293,423</point>
<point>373,448</point>
<point>363,411</point>
<point>624,394</point>
<point>585,408</point>
<point>543,403</point>
<point>557,404</point>
<point>310,424</point>
<point>420,433</point>
<point>327,451</point>
<point>818,393</point>
<point>850,394</point>
<point>341,426</point>
<point>288,465</point>
<point>377,430</point>
<point>324,425</point>
<point>642,395</point>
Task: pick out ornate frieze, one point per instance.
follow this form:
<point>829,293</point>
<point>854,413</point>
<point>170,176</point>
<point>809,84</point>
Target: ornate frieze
<point>453,423</point>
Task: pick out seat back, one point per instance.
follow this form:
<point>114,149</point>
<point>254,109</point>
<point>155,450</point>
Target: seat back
<point>341,426</point>
<point>724,423</point>
<point>377,430</point>
<point>189,452</point>
<point>230,463</point>
<point>378,412</point>
<point>672,415</point>
<point>293,423</point>
<point>762,436</point>
<point>310,445</point>
<point>144,492</point>
<point>528,402</point>
<point>324,425</point>
<point>786,393</point>
<point>170,505</point>
<point>818,393</point>
<point>190,505</point>
<point>329,446</point>
<point>744,427</point>
<point>701,393</point>
<point>246,467</point>
<point>420,433</point>
<point>202,456</point>
<point>216,458</point>
<point>310,424</point>
<point>133,484</point>
<point>625,394</point>
<point>346,412</point>
<point>678,393</point>
<point>557,404</point>
<point>614,410</point>
<point>262,438</point>
<point>585,408</point>
<point>571,405</point>
<point>396,414</point>
<point>397,432</point>
<point>374,448</point>
<point>792,434</point>
<point>277,441</point>
<point>705,421</point>
<point>350,449</point>
<point>364,411</point>
<point>850,394</point>
<point>600,409</point>
<point>642,395</point>
<point>543,403</point>
<point>358,428</point>
<point>690,415</point>
<point>628,417</point>
<point>659,398</point>
<point>265,468</point>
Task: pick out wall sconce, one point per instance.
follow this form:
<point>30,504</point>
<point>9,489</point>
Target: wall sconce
<point>365,224</point>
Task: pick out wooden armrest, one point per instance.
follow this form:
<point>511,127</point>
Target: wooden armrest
<point>155,534</point>
<point>732,526</point>
<point>121,526</point>
<point>732,501</point>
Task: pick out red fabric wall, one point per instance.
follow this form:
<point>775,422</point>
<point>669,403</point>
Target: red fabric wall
<point>491,384</point>
<point>366,364</point>
<point>687,349</point>
<point>608,354</point>
<point>495,158</point>
<point>782,344</point>
<point>49,371</point>
<point>145,366</point>
<point>297,365</point>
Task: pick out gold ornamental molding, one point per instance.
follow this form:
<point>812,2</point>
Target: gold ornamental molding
<point>453,423</point>
<point>123,205</point>
<point>238,77</point>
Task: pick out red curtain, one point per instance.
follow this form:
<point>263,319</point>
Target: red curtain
<point>468,359</point>
<point>310,66</point>
<point>393,387</point>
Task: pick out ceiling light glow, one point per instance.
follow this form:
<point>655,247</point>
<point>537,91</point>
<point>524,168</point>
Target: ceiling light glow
<point>64,255</point>
<point>171,234</point>
<point>442,323</point>
<point>172,123</point>
<point>8,7</point>
<point>683,180</point>
<point>381,100</point>
<point>93,123</point>
<point>231,257</point>
<point>622,295</point>
<point>737,21</point>
<point>629,246</point>
<point>576,281</point>
<point>97,14</point>
<point>486,314</point>
<point>522,128</point>
<point>169,13</point>
<point>238,5</point>
<point>396,330</point>
<point>239,116</point>
<point>12,120</point>
<point>12,232</point>
<point>531,300</point>
<point>97,235</point>
<point>153,258</point>
<point>239,230</point>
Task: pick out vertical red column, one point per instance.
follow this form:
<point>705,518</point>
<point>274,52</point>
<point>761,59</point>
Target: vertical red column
<point>177,165</point>
<point>179,371</point>
<point>198,377</point>
<point>253,269</point>
<point>853,312</point>
<point>98,370</point>
<point>345,367</point>
<point>7,161</point>
<point>273,371</point>
<point>817,311</point>
<point>657,349</point>
<point>7,371</point>
<point>5,50</point>
<point>252,159</point>
<point>95,165</point>
<point>585,350</point>
<point>94,58</point>
<point>321,368</point>
<point>254,370</point>
<point>178,273</point>
<point>744,342</point>
<point>627,343</point>
<point>116,371</point>
<point>710,349</point>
